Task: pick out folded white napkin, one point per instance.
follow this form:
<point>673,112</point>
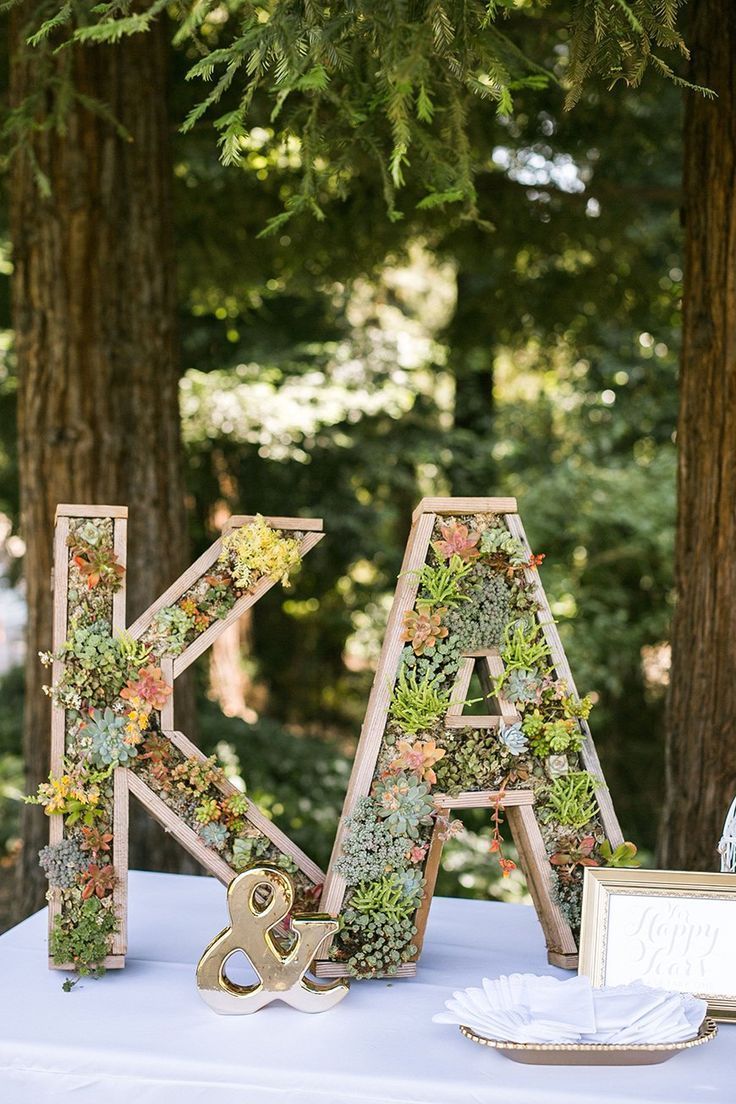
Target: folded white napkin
<point>524,1008</point>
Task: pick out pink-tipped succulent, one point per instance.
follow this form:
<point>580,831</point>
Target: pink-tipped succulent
<point>457,541</point>
<point>149,687</point>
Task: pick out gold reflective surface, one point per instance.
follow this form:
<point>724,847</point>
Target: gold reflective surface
<point>259,900</point>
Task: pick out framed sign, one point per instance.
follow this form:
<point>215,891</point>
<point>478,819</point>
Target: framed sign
<point>669,929</point>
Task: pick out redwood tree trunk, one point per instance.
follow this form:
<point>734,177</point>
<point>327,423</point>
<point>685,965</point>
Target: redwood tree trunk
<point>94,314</point>
<point>701,738</point>
<point>471,364</point>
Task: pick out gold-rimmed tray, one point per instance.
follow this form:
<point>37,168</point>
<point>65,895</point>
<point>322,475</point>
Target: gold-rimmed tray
<point>594,1054</point>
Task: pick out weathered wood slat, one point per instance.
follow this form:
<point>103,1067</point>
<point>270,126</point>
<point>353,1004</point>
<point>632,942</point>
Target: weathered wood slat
<point>538,873</point>
<point>465,506</point>
<point>480,799</point>
<point>79,510</point>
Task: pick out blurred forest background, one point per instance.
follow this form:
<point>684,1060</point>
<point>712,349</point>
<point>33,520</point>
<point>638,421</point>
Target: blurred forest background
<point>343,368</point>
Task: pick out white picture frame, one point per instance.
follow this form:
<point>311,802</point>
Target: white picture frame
<point>669,929</point>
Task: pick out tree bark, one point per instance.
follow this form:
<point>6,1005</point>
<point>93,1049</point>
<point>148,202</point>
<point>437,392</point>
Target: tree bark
<point>701,737</point>
<point>94,305</point>
<point>471,364</point>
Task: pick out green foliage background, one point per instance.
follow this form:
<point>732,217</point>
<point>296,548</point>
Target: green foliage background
<point>344,367</point>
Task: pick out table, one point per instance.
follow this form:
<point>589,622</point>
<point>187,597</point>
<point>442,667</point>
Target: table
<point>143,1035</point>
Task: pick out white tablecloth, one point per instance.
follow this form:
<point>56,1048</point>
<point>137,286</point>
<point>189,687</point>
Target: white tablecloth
<point>143,1036</point>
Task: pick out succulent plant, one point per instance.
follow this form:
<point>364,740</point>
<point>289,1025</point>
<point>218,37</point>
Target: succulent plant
<point>417,702</point>
<point>99,567</point>
<point>525,647</point>
<point>623,855</point>
<point>512,737</point>
<point>149,687</point>
<point>208,810</point>
<point>473,761</point>
<point>197,776</point>
<point>95,840</point>
<point>555,736</point>
<point>423,628</point>
<point>570,799</point>
<point>418,758</point>
<point>247,849</point>
<point>98,881</point>
<point>557,765</point>
<point>498,540</point>
<point>256,550</point>
<point>372,943</point>
<point>62,862</point>
<point>480,623</point>
<point>520,685</point>
<point>386,895</point>
<point>89,533</point>
<point>106,733</point>
<point>368,850</point>
<point>412,885</point>
<point>456,541</point>
<point>214,835</point>
<point>573,852</point>
<point>157,753</point>
<point>403,803</point>
<point>95,669</point>
<point>441,584</point>
<point>235,805</point>
<point>170,631</point>
<point>81,935</point>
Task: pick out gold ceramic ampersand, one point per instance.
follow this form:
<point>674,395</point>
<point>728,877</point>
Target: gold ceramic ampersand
<point>281,966</point>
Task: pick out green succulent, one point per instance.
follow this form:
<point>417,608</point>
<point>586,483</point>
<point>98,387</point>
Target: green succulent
<point>417,702</point>
<point>170,631</point>
<point>81,935</point>
<point>135,653</point>
<point>472,761</point>
<point>570,799</point>
<point>247,850</point>
<point>207,810</point>
<point>480,622</point>
<point>368,850</point>
<point>521,685</point>
<point>403,803</point>
<point>386,895</point>
<point>89,533</point>
<point>499,540</point>
<point>552,737</point>
<point>525,647</point>
<point>63,862</point>
<point>438,664</point>
<point>371,944</point>
<point>106,734</point>
<point>623,855</point>
<point>441,584</point>
<point>214,835</point>
<point>95,670</point>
